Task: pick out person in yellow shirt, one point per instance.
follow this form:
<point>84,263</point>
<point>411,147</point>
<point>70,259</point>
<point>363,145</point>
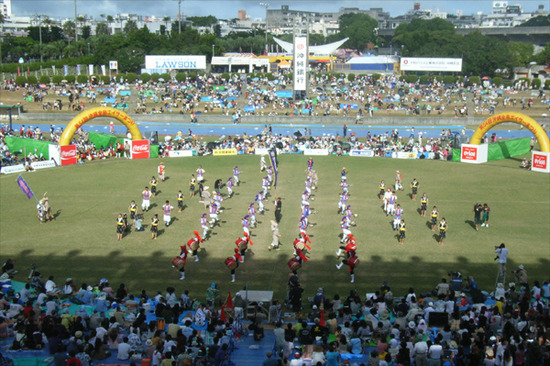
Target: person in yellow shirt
<point>442,230</point>
<point>154,226</point>
<point>120,226</point>
<point>402,230</point>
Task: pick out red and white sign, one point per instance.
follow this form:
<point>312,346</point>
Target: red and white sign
<point>475,154</point>
<point>539,162</point>
<point>69,155</point>
<point>140,149</point>
<point>469,153</point>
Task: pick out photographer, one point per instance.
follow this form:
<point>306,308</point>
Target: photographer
<point>520,275</point>
<point>502,258</point>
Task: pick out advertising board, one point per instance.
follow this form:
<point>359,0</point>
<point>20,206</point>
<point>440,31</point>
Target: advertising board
<point>175,62</point>
<point>431,64</point>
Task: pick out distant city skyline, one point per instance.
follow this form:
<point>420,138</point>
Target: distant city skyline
<point>228,9</point>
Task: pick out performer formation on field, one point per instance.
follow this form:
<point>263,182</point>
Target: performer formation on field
<point>347,248</point>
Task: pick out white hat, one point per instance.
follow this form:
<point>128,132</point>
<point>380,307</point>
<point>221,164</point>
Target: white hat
<point>521,266</point>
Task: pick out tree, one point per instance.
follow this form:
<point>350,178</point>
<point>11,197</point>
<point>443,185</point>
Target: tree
<point>166,20</point>
<point>69,29</point>
<point>203,21</point>
<point>86,31</point>
<point>102,29</point>
<point>539,21</point>
<point>543,57</point>
<point>130,26</point>
<point>359,28</point>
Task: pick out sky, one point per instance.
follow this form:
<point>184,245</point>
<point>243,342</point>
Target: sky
<point>226,9</point>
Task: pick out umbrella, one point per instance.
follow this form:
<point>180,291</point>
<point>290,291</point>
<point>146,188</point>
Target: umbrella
<point>161,79</point>
<point>485,78</point>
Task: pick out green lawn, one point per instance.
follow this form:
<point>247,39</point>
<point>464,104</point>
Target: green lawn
<point>81,243</point>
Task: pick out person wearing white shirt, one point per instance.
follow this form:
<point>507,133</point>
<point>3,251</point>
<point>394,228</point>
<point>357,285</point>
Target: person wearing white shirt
<point>502,257</point>
<point>435,352</point>
<point>297,361</point>
<point>124,350</point>
<point>50,286</point>
<point>420,353</point>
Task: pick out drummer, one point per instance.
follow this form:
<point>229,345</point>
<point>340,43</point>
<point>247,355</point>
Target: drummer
<point>180,265</point>
<point>242,244</point>
<point>352,261</point>
<point>45,202</point>
<point>194,245</point>
<point>233,263</point>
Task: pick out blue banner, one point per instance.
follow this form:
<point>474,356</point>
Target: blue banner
<point>273,158</point>
<point>24,187</point>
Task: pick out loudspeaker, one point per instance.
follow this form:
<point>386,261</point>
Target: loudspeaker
<point>152,136</point>
<point>438,319</point>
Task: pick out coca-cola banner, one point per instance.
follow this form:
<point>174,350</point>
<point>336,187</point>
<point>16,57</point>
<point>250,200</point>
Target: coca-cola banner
<point>68,154</point>
<point>140,149</point>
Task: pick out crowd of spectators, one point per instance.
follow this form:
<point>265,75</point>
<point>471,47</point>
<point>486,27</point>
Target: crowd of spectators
<point>329,94</point>
<point>454,324</point>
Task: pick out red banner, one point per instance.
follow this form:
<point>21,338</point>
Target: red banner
<point>540,161</point>
<point>140,149</point>
<point>69,155</point>
<point>469,153</point>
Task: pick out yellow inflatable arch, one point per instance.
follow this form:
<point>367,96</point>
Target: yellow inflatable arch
<point>80,119</point>
<point>522,119</point>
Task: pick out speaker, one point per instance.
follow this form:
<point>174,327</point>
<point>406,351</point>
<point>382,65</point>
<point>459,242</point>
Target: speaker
<point>438,319</point>
<point>152,136</point>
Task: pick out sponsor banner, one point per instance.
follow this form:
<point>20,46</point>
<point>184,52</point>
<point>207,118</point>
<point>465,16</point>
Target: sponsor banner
<point>175,62</point>
<point>539,162</point>
<point>12,169</point>
<point>180,153</point>
<point>69,155</point>
<point>405,155</point>
<point>113,65</point>
<point>220,152</point>
<point>43,164</point>
<point>475,154</point>
<point>315,151</point>
<point>366,153</point>
<point>261,151</point>
<point>301,60</point>
<point>431,64</point>
<point>140,149</point>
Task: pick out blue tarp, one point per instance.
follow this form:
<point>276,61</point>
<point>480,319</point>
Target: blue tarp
<point>284,93</point>
<point>125,93</point>
<point>249,108</point>
<point>345,106</point>
<point>109,100</point>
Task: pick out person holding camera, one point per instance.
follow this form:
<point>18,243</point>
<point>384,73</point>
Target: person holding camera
<point>520,275</point>
<point>502,257</point>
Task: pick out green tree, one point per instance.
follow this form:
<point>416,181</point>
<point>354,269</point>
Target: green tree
<point>539,21</point>
<point>130,26</point>
<point>359,28</point>
<point>102,29</point>
<point>521,52</point>
<point>155,76</point>
<point>86,31</point>
<point>82,79</point>
<point>70,78</point>
<point>543,57</point>
<point>44,79</point>
<point>131,77</point>
<point>145,77</point>
<point>69,29</point>
<point>21,80</point>
<point>203,21</point>
<point>31,80</point>
<point>56,79</point>
<point>181,76</point>
<point>428,38</point>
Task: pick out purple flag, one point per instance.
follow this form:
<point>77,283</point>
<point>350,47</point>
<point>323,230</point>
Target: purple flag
<point>24,187</point>
<point>273,158</point>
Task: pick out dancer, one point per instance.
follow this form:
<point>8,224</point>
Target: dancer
<point>352,262</point>
<point>161,171</point>
<point>442,230</point>
<point>233,263</point>
<point>381,188</point>
<point>434,216</point>
<point>423,204</point>
<point>180,201</point>
<point>153,186</point>
<point>402,230</point>
<point>132,209</point>
<point>146,199</point>
<point>397,217</point>
<point>236,173</point>
<point>180,261</point>
<point>167,209</point>
<point>120,227</point>
<point>414,188</point>
<point>194,245</point>
<point>204,225</point>
<point>229,186</point>
<point>242,244</point>
<point>154,227</point>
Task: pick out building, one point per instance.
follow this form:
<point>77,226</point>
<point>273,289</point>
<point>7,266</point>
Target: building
<point>5,8</point>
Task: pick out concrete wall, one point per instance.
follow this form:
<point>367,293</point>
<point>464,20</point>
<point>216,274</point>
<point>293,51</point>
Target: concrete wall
<point>57,118</point>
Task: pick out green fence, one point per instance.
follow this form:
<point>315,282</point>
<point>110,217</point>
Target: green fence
<point>104,139</point>
<point>26,146</point>
<point>508,148</point>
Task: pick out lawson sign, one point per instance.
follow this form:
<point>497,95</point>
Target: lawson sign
<point>175,62</point>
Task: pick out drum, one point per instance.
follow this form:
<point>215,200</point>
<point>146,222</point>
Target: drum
<point>178,263</point>
<point>353,261</point>
<point>294,264</point>
<point>300,245</point>
<point>195,245</point>
<point>242,245</point>
<point>231,263</point>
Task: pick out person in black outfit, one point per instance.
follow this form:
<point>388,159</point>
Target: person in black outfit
<point>478,209</point>
<point>278,208</point>
<point>217,185</point>
<point>295,290</point>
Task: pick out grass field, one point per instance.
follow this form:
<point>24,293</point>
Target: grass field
<point>81,242</point>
